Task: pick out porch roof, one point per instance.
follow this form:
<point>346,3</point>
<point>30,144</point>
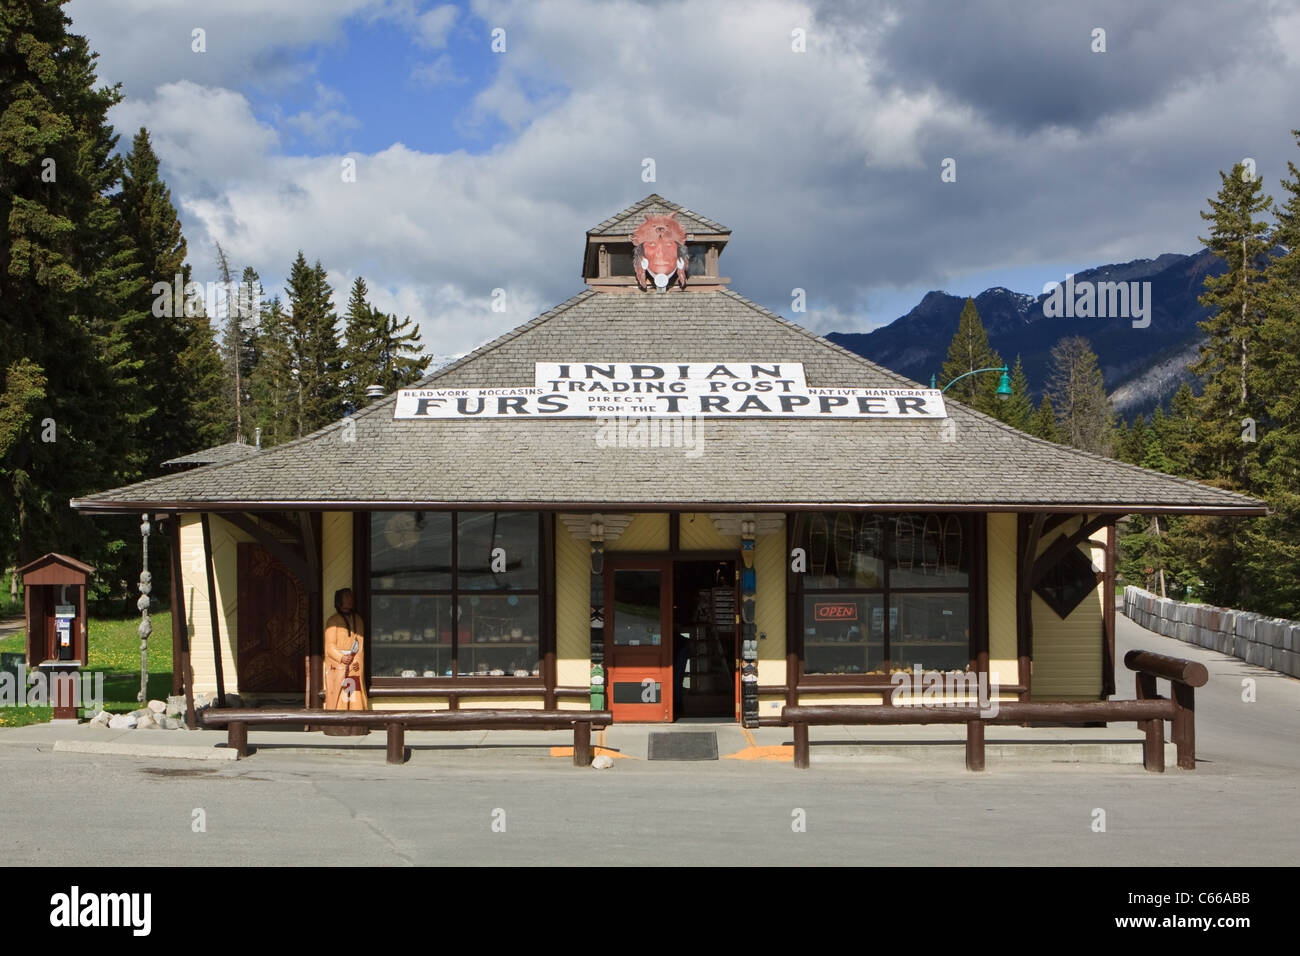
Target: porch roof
<point>743,463</point>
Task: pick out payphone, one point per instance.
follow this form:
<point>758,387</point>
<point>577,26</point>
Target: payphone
<point>65,616</point>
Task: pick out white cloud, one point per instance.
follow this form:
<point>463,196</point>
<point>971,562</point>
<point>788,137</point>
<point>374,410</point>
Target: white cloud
<point>829,177</point>
<point>437,72</point>
<point>435,24</point>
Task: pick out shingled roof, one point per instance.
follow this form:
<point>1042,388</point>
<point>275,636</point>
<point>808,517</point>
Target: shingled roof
<point>623,224</point>
<point>745,463</point>
<point>217,454</point>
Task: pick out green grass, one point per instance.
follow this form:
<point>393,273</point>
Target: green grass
<point>115,650</point>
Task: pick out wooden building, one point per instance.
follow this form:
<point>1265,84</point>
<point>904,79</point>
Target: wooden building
<point>668,494</point>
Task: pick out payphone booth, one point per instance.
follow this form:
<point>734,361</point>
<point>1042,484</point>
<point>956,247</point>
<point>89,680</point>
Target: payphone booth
<point>54,587</point>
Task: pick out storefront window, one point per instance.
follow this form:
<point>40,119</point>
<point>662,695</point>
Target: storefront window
<point>454,595</point>
<point>843,633</point>
<point>884,593</point>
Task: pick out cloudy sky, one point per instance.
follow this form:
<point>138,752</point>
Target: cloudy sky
<point>479,169</point>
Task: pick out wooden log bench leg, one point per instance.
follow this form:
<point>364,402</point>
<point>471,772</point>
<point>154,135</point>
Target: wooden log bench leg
<point>801,745</point>
<point>396,742</point>
<point>1153,746</point>
<point>237,738</point>
<point>974,745</point>
<point>581,743</point>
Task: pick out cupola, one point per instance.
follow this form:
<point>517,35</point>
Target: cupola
<point>655,246</point>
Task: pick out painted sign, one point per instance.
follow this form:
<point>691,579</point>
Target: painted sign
<point>653,389</point>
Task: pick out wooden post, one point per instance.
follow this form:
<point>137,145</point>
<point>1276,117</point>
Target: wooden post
<point>396,742</point>
<point>1184,732</point>
<point>237,737</point>
<point>582,743</point>
<point>213,609</point>
<point>1146,690</point>
<point>801,745</point>
<point>1153,746</point>
<point>180,628</point>
<point>975,745</point>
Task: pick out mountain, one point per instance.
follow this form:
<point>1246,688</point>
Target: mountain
<point>1141,366</point>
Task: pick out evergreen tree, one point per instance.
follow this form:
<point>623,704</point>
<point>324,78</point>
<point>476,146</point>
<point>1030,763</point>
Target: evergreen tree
<point>209,408</point>
<point>1273,542</point>
<point>67,273</point>
<point>272,383</point>
<point>1233,394</point>
<point>326,355</point>
<point>1227,364</point>
<point>232,338</point>
<point>969,350</point>
<point>250,299</point>
<point>400,359</point>
<point>1079,397</point>
<point>380,350</point>
<point>1018,410</point>
<point>152,224</point>
<point>1043,424</point>
<point>361,353</point>
<point>315,354</point>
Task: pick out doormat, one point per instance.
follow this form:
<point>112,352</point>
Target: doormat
<point>683,745</point>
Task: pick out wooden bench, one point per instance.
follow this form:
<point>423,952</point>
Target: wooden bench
<point>1149,710</point>
<point>237,722</point>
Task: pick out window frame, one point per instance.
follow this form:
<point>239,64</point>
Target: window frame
<point>531,683</point>
<point>975,567</point>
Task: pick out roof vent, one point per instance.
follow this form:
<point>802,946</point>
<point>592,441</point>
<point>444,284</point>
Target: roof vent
<point>374,392</point>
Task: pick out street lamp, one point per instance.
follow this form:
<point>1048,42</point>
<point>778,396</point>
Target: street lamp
<point>1004,383</point>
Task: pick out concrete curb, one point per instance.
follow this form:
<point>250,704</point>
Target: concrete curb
<point>142,750</point>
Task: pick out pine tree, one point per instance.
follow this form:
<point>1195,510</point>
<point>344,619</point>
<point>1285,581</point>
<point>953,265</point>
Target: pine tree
<point>361,352</point>
<point>152,224</point>
<point>969,350</point>
<point>400,359</point>
<point>1079,397</point>
<point>1272,543</point>
<point>272,383</point>
<point>209,411</point>
<point>251,302</point>
<point>1232,396</point>
<point>1044,424</point>
<point>67,271</point>
<point>1018,410</point>
<point>1227,362</point>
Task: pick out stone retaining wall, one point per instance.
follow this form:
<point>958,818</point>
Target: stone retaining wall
<point>1267,641</point>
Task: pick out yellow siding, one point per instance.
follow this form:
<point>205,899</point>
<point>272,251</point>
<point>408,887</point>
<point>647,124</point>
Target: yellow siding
<point>225,538</point>
<point>769,606</point>
<point>699,533</point>
<point>1003,660</point>
<point>336,557</point>
<point>647,532</point>
<point>409,703</point>
<point>572,609</point>
<point>1068,653</point>
<point>864,698</point>
<point>513,703</point>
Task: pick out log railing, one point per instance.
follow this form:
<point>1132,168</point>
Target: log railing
<point>1149,711</point>
<point>396,722</point>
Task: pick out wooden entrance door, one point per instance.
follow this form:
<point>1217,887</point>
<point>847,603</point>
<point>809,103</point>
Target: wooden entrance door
<point>272,621</point>
<point>638,640</point>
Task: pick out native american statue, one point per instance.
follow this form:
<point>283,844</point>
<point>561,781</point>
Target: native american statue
<point>345,662</point>
<point>659,248</point>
